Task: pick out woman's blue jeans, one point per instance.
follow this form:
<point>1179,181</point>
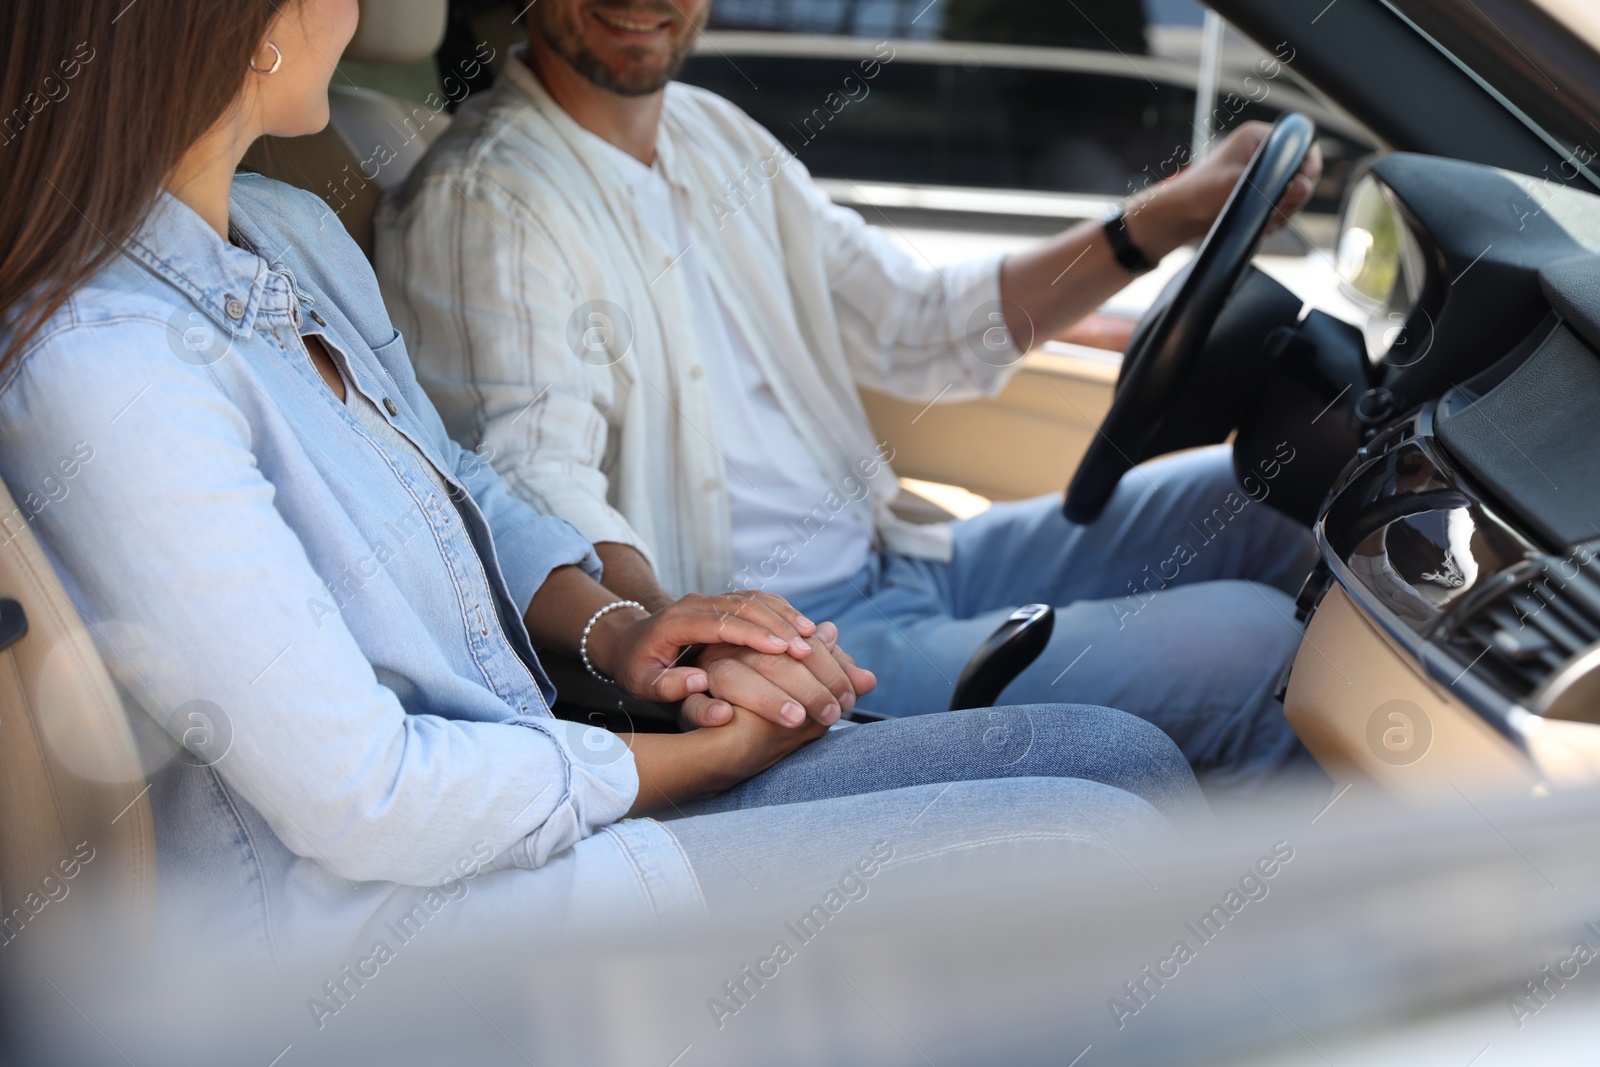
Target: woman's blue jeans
<point>938,787</point>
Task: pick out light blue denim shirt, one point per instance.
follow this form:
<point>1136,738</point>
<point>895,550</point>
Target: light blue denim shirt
<point>323,600</point>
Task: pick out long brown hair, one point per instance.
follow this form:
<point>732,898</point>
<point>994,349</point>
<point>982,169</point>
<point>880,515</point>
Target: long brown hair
<point>99,101</point>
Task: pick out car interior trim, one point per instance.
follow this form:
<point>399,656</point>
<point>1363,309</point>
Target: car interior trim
<point>1549,56</point>
<point>1349,681</point>
<point>1562,151</point>
<point>1350,52</point>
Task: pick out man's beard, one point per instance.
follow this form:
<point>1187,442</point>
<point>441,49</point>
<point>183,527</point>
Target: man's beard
<point>565,39</point>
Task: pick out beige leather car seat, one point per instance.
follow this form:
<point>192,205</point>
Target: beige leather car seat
<point>372,140</point>
<point>75,818</point>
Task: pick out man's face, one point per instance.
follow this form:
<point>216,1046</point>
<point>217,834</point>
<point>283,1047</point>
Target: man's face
<point>628,47</point>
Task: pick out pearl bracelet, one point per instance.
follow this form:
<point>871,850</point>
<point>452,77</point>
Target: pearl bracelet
<point>583,642</point>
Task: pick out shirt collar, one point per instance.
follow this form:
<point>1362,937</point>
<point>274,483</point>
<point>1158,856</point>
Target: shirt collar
<point>518,77</point>
<point>231,285</point>
<point>628,168</point>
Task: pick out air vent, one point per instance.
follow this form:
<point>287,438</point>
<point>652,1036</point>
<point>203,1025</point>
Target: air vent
<point>1529,631</point>
<point>1392,436</point>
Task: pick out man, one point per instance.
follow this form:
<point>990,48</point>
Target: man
<point>635,303</point>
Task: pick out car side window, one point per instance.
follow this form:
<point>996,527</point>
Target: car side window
<point>1097,98</point>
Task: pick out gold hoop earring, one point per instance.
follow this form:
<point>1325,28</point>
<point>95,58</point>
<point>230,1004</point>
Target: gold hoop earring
<point>276,62</point>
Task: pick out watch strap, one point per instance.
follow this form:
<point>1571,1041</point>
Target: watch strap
<point>1122,246</point>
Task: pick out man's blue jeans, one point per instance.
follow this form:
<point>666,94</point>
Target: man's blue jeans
<point>1175,605</point>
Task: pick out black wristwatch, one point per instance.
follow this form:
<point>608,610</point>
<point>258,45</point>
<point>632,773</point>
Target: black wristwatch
<point>1122,246</point>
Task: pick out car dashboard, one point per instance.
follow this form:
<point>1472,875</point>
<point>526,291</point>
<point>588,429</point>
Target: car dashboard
<point>1453,623</point>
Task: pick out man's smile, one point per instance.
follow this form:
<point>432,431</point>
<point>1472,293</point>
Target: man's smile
<point>631,25</point>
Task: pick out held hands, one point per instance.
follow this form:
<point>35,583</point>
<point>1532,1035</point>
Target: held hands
<point>760,654</point>
<point>1184,206</point>
<point>748,744</point>
<point>785,689</point>
<point>679,767</point>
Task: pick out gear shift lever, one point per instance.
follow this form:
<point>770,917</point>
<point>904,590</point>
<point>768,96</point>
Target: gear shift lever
<point>998,661</point>
<point>1006,654</point>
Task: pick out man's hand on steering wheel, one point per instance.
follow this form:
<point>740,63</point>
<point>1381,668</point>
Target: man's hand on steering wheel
<point>1183,207</point>
<point>1236,195</point>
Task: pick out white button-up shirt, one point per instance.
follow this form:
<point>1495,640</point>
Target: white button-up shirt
<point>775,481</point>
<point>549,328</point>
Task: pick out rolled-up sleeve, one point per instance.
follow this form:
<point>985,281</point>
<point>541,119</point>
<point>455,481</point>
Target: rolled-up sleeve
<point>600,786</point>
<point>170,542</point>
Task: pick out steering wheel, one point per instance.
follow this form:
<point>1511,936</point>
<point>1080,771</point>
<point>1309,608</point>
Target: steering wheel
<point>1168,341</point>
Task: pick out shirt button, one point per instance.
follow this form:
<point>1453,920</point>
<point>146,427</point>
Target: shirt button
<point>711,485</point>
<point>234,309</point>
<point>389,406</point>
<point>697,372</point>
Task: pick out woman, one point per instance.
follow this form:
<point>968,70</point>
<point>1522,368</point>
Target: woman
<point>268,527</point>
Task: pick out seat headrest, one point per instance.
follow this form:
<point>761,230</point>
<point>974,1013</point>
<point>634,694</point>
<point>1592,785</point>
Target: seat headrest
<point>398,31</point>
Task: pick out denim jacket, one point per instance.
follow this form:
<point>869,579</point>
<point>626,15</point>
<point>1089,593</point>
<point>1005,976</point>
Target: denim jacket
<point>320,601</point>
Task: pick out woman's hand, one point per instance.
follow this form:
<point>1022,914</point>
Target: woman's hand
<point>653,657</point>
<point>780,688</point>
<point>678,767</point>
<point>748,744</point>
<point>646,653</point>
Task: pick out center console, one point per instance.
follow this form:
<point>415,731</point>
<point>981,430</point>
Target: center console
<point>1453,624</point>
